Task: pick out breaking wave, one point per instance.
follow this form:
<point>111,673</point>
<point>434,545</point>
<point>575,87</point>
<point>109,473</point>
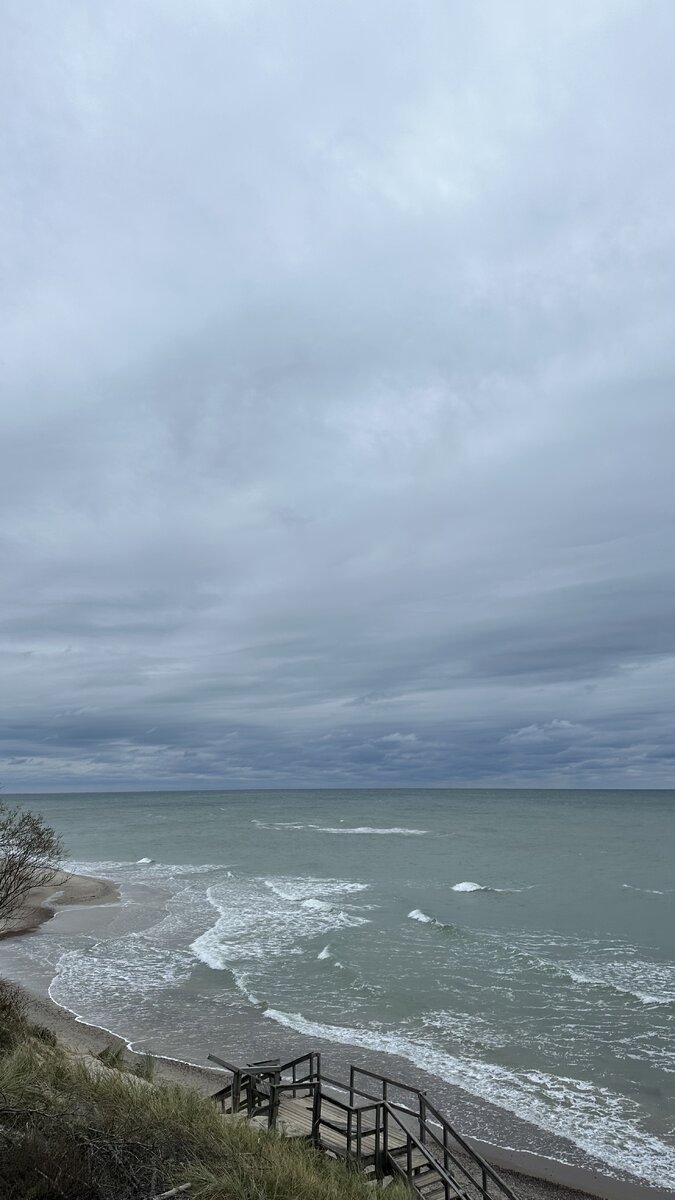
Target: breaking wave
<point>593,1118</point>
<point>249,927</point>
<point>646,891</point>
<point>424,919</point>
<point>469,886</point>
<point>362,829</point>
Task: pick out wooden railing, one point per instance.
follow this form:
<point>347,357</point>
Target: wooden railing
<point>383,1128</point>
<point>480,1175</point>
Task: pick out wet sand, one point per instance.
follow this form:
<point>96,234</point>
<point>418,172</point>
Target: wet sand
<point>42,902</point>
<point>88,1039</point>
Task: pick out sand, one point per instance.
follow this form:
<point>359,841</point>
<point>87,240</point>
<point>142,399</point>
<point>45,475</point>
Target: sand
<point>64,889</point>
<point>88,1039</point>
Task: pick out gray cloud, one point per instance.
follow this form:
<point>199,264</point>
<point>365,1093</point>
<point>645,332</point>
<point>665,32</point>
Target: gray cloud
<point>337,394</point>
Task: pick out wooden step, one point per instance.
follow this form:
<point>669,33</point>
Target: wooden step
<point>437,1191</point>
<point>428,1184</point>
<point>417,1158</point>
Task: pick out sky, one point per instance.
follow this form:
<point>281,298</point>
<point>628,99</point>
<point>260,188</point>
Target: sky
<point>336,394</point>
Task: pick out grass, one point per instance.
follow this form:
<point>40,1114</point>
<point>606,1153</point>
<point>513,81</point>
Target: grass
<point>72,1130</point>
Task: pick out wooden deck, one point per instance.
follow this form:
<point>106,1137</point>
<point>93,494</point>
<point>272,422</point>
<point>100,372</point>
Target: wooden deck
<point>365,1121</point>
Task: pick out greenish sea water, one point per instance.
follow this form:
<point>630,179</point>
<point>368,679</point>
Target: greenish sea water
<point>513,950</point>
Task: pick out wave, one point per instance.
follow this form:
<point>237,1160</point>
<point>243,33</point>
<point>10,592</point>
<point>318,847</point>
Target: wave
<point>399,830</point>
<point>619,982</point>
<point>424,919</point>
<point>250,927</point>
<point>650,982</point>
<point>326,955</point>
<point>143,870</point>
<point>590,1117</point>
<point>646,891</point>
<point>299,890</point>
<point>469,886</point>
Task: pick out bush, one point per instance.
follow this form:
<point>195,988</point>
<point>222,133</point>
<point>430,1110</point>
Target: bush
<point>30,854</point>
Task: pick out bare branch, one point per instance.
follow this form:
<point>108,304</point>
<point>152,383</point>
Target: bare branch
<point>30,856</point>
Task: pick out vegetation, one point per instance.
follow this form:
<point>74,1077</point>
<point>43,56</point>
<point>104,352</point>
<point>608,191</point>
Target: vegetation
<point>77,1130</point>
<point>30,855</point>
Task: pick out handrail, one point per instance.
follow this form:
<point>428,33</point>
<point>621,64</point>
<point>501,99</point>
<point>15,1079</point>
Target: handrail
<point>478,1158</point>
<point>447,1152</point>
<point>445,1175</point>
<point>483,1163</point>
<point>405,1087</point>
<point>393,1108</point>
<point>264,1079</point>
<point>223,1063</point>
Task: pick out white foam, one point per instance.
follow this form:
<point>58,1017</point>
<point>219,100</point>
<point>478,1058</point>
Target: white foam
<point>424,919</point>
<point>324,954</point>
<point>591,1117</point>
<point>392,830</point>
<point>630,978</point>
<point>118,974</point>
<point>303,888</point>
<point>250,927</point>
<point>468,886</point>
<point>141,861</point>
<point>418,915</point>
<point>645,891</point>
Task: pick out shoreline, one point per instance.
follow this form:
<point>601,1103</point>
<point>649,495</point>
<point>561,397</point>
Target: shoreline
<point>65,889</point>
<point>533,1176</point>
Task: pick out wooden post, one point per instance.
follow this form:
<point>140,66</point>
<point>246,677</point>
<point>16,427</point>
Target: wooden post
<point>378,1148</point>
<point>316,1117</point>
<point>423,1118</point>
<point>385,1124</point>
<point>349,1133</point>
<point>351,1086</point>
<point>359,1131</point>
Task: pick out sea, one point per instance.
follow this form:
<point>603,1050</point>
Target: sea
<point>511,951</point>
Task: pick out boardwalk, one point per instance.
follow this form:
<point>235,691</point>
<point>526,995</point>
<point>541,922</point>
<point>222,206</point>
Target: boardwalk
<point>390,1129</point>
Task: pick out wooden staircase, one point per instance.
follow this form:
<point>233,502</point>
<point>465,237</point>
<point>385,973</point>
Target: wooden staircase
<point>390,1129</point>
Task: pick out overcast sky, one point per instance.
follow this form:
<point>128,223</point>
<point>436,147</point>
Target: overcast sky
<point>338,419</point>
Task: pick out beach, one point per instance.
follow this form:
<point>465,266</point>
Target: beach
<point>203,936</point>
<point>63,890</point>
<point>85,1039</point>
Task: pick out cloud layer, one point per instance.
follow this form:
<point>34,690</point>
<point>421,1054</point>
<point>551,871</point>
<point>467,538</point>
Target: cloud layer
<point>337,376</point>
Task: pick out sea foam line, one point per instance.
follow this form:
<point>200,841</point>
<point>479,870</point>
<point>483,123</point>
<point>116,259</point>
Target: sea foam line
<point>561,1105</point>
<point>399,830</point>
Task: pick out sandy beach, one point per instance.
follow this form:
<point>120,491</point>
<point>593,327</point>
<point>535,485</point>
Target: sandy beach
<point>531,1176</point>
<point>64,889</point>
<point>88,1039</point>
